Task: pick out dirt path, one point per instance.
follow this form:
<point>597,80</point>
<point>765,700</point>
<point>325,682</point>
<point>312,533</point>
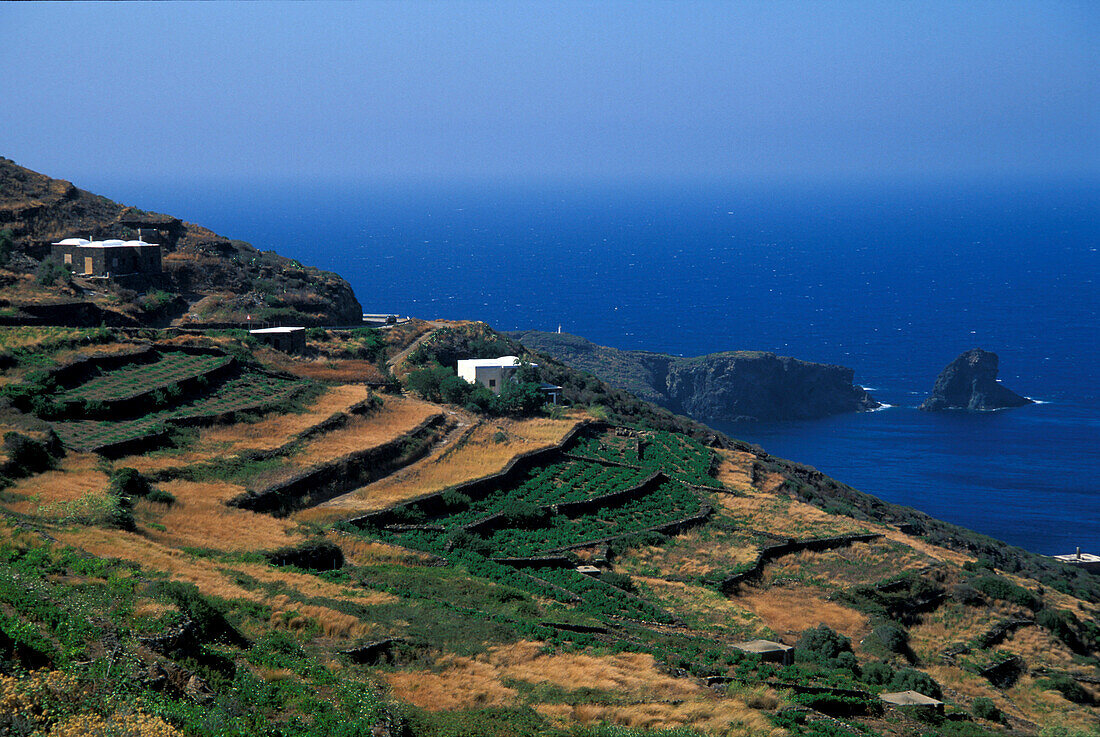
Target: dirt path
<point>407,351</point>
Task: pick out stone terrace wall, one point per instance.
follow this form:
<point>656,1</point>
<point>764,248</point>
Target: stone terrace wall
<point>323,482</point>
<point>432,504</point>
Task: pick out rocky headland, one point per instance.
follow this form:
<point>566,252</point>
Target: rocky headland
<point>729,386</point>
<point>970,382</point>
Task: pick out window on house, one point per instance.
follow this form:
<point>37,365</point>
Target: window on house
<point>492,383</point>
<point>68,258</point>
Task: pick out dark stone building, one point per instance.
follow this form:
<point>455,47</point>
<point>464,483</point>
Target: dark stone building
<point>108,258</point>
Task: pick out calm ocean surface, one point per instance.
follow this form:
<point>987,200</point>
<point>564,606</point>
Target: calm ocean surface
<point>893,282</point>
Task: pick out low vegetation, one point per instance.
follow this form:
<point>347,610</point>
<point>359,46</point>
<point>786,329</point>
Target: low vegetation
<point>531,571</point>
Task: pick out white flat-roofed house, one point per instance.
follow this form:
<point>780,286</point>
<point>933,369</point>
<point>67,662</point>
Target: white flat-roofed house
<point>288,339</point>
<point>1085,561</point>
<point>489,372</point>
<point>772,652</point>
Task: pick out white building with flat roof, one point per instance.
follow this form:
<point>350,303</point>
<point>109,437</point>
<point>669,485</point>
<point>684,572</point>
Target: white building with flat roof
<point>489,372</point>
<point>288,339</point>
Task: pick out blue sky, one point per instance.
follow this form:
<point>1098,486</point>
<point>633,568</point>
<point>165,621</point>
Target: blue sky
<point>448,91</point>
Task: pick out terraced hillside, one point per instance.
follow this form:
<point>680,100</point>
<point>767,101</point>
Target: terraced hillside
<point>328,559</point>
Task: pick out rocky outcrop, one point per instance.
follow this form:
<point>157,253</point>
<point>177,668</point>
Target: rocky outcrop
<point>970,382</point>
<point>761,386</point>
<point>731,386</point>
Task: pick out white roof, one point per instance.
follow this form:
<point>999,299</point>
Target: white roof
<point>503,361</point>
<point>909,698</point>
<point>762,646</point>
<point>112,243</point>
<point>1078,558</point>
<point>269,331</point>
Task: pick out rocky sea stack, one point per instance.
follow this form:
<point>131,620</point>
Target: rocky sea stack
<point>970,382</point>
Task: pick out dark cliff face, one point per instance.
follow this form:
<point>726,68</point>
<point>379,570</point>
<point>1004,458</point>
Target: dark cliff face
<point>970,382</point>
<point>741,385</point>
<point>762,387</point>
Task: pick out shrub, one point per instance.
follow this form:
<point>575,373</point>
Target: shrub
<point>26,456</point>
<point>619,581</point>
<point>892,638</point>
<point>967,594</point>
<point>1001,588</point>
<point>454,500</point>
<point>315,555</point>
<point>878,674</point>
<point>427,382</point>
<point>520,397</point>
<point>95,509</point>
<point>1069,688</point>
<point>50,272</point>
<point>407,514</point>
<point>984,708</point>
<point>519,513</point>
<point>1067,628</point>
<point>160,496</point>
<point>467,541</point>
<point>901,679</point>
<point>911,679</point>
<point>127,482</point>
<point>827,648</point>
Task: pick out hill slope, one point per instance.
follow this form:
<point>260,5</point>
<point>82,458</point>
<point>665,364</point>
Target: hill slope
<point>207,277</point>
<point>334,561</point>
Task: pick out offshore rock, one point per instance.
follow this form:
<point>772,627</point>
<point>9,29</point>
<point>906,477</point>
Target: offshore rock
<point>730,386</point>
<point>970,382</point>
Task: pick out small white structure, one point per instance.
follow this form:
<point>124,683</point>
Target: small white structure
<point>288,340</point>
<point>912,698</point>
<point>1085,561</point>
<point>489,372</point>
<point>772,652</point>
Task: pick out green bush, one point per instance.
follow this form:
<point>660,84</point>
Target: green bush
<point>454,500</point>
<point>1069,688</point>
<point>827,648</point>
<point>160,496</point>
<point>427,382</point>
<point>315,555</point>
<point>26,456</point>
<point>128,482</point>
<point>901,679</point>
<point>619,581</point>
<point>155,301</point>
<point>520,513</point>
<point>891,637</point>
<point>1077,636</point>
<point>911,679</point>
<point>984,708</point>
<point>50,272</point>
<point>997,587</point>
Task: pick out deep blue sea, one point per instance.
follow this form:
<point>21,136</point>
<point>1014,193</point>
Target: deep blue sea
<point>891,281</point>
